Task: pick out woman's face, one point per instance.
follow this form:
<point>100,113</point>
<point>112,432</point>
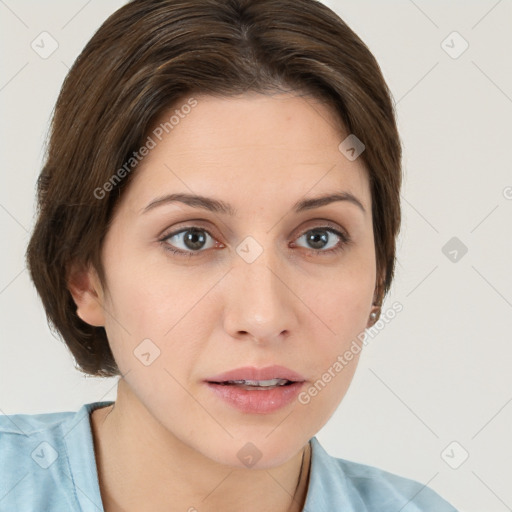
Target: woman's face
<point>256,281</point>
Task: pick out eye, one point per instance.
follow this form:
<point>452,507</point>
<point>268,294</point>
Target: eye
<point>192,240</point>
<point>325,240</point>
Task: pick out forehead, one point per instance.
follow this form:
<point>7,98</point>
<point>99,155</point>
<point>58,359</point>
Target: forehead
<point>250,147</point>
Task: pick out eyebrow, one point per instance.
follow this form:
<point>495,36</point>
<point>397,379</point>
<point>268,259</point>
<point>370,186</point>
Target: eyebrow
<point>218,206</point>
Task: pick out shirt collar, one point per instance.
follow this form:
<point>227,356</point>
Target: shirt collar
<point>329,488</point>
<point>77,435</point>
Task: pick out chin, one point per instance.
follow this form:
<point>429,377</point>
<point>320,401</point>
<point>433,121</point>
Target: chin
<point>256,451</point>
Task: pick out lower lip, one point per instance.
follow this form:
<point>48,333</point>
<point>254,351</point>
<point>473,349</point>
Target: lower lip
<point>257,401</point>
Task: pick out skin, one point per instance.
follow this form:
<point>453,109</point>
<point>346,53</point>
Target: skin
<point>169,439</point>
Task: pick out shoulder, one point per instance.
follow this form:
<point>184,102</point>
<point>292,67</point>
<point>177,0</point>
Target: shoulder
<point>36,463</point>
<point>371,489</point>
<point>25,435</point>
<point>379,487</point>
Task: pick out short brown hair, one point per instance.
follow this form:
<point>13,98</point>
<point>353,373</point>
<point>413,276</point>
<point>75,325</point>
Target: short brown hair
<point>142,59</point>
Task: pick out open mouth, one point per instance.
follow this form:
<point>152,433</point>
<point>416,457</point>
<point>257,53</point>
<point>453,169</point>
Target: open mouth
<point>257,396</point>
<point>257,390</point>
<point>253,385</point>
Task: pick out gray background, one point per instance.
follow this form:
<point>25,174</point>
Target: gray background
<point>440,371</point>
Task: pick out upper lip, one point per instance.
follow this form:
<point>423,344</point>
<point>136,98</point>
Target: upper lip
<point>253,373</point>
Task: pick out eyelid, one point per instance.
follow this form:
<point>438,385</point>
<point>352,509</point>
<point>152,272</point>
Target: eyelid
<point>185,225</point>
<point>322,223</point>
<point>197,223</point>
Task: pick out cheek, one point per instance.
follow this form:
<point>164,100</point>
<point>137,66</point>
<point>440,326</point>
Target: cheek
<point>320,399</point>
<point>336,345</point>
<point>341,296</point>
<point>153,298</point>
<point>153,311</point>
<point>146,293</point>
<point>343,315</point>
<point>341,304</point>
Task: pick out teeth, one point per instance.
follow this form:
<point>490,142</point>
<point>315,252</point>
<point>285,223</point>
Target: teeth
<point>260,383</point>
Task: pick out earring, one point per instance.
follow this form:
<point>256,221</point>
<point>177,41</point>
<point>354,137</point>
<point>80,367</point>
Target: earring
<point>375,313</point>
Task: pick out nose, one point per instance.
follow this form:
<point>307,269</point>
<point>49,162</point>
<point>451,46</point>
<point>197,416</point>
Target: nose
<point>259,301</point>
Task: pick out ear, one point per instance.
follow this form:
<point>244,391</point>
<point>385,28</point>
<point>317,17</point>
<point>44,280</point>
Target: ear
<point>377,301</point>
<point>379,288</point>
<point>85,288</point>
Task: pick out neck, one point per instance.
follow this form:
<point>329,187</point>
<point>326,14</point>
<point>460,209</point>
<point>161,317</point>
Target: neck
<point>143,466</point>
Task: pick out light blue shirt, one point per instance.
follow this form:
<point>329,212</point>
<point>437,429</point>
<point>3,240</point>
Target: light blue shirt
<point>47,464</point>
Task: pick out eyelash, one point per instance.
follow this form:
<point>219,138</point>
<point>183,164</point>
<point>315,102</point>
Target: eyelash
<point>345,241</point>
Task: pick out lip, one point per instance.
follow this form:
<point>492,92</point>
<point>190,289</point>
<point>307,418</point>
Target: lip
<point>257,401</point>
<point>253,373</point>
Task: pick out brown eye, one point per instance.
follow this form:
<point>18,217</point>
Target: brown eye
<point>189,240</point>
<point>324,240</point>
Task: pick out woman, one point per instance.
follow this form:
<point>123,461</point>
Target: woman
<point>217,222</point>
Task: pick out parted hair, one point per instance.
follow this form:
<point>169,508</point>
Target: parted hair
<point>146,56</point>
